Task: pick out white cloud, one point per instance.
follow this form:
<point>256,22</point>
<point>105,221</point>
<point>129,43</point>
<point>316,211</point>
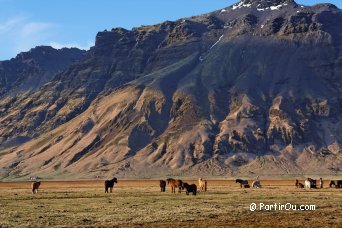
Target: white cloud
<point>10,23</point>
<point>33,34</point>
<point>19,34</point>
<point>35,28</point>
<point>57,45</point>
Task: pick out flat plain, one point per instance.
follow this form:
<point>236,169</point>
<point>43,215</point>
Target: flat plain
<point>136,203</point>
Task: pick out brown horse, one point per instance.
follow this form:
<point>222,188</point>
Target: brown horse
<point>337,184</point>
<point>109,184</point>
<point>162,185</point>
<point>202,185</point>
<point>175,184</point>
<point>190,188</point>
<point>299,185</point>
<point>35,187</point>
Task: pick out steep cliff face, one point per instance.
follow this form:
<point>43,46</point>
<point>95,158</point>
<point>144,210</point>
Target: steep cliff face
<point>254,88</point>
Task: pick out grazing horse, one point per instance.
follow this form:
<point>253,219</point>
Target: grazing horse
<point>299,185</point>
<point>332,183</point>
<point>190,188</point>
<point>337,184</point>
<point>162,185</point>
<point>175,184</point>
<point>310,183</point>
<point>256,184</point>
<point>110,184</point>
<point>202,185</point>
<point>35,187</point>
<point>243,183</point>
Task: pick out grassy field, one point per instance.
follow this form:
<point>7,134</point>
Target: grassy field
<point>139,203</point>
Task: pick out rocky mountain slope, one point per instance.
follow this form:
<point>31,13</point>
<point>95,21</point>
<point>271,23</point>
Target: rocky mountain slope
<point>252,89</point>
<point>26,73</point>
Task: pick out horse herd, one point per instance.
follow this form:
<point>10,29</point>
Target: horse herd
<point>180,185</point>
<point>312,183</point>
<point>308,184</point>
<point>244,183</point>
<point>192,188</point>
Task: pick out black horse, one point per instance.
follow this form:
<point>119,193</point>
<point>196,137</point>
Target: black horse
<point>162,185</point>
<point>337,184</point>
<point>190,188</point>
<point>243,183</point>
<point>313,183</point>
<point>110,184</point>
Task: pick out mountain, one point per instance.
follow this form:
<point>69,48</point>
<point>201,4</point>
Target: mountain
<point>26,73</point>
<point>30,70</point>
<point>252,89</point>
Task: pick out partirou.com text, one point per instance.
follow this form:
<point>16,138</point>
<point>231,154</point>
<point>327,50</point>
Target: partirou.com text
<point>281,207</point>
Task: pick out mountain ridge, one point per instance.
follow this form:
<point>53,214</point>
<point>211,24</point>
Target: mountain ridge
<point>30,70</point>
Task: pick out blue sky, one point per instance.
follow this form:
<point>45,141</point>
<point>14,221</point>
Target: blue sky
<point>27,23</point>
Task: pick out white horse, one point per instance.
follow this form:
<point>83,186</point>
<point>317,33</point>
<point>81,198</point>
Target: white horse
<point>307,184</point>
<point>256,184</point>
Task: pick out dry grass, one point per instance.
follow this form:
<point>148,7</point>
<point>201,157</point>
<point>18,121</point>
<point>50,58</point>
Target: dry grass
<point>136,203</point>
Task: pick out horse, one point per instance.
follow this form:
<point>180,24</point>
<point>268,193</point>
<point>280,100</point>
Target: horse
<point>202,185</point>
<point>310,183</point>
<point>175,184</point>
<point>35,187</point>
<point>321,182</point>
<point>256,184</point>
<point>337,184</point>
<point>110,184</point>
<point>299,185</point>
<point>162,185</point>
<point>313,183</point>
<point>332,183</point>
<point>243,183</point>
<point>307,184</point>
<point>190,188</point>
